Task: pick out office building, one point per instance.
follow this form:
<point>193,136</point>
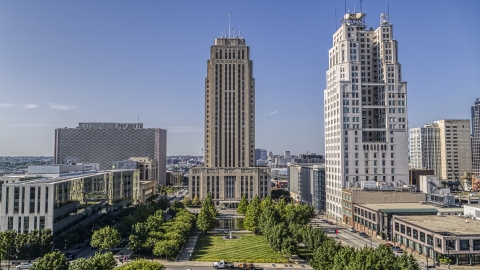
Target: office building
<point>444,147</point>
<point>260,154</point>
<point>63,202</point>
<point>425,148</point>
<point>476,138</point>
<point>365,110</point>
<point>147,167</point>
<point>306,184</point>
<point>104,143</point>
<point>229,171</point>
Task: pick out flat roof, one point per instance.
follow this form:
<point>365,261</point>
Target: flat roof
<point>409,207</point>
<point>452,224</point>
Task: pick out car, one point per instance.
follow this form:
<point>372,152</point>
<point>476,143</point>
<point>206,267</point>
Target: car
<point>351,229</point>
<point>398,250</point>
<point>24,266</point>
<point>362,234</point>
<point>70,256</point>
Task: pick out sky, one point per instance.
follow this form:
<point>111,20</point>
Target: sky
<point>64,62</point>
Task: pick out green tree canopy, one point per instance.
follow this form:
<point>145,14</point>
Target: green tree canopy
<point>196,201</point>
<point>142,264</point>
<point>250,222</point>
<point>207,218</point>
<point>323,258</point>
<point>242,206</point>
<point>54,260</point>
<point>97,262</point>
<point>105,238</point>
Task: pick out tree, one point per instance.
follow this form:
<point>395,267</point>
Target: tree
<point>103,261</point>
<point>54,260</point>
<point>207,218</point>
<point>278,194</point>
<point>105,238</point>
<point>405,262</point>
<point>343,258</point>
<point>323,258</point>
<point>250,222</point>
<point>7,243</point>
<point>138,238</point>
<point>289,247</point>
<point>242,206</point>
<point>196,201</point>
<point>142,264</point>
<point>266,202</point>
<point>167,248</point>
<point>187,201</point>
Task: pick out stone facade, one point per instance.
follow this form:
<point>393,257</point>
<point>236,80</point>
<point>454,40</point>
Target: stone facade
<point>228,185</point>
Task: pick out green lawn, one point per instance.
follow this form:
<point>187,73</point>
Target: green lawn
<point>249,248</point>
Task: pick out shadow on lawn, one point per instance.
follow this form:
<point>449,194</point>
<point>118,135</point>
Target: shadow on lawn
<point>201,247</point>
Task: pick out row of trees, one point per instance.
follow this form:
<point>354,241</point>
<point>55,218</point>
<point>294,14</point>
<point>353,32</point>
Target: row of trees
<point>192,202</point>
<point>25,245</point>
<point>332,255</point>
<point>282,224</point>
<point>105,261</point>
<point>164,237</point>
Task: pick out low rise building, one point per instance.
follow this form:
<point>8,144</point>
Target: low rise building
<point>307,184</point>
<point>66,201</point>
<point>440,236</point>
<point>376,219</point>
<point>353,196</point>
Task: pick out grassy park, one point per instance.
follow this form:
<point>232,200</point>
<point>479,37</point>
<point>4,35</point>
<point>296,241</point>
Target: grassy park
<point>246,248</point>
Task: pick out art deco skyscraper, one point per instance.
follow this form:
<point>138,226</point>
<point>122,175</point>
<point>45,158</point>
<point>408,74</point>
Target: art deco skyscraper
<point>365,110</point>
<point>229,105</point>
<point>229,172</point>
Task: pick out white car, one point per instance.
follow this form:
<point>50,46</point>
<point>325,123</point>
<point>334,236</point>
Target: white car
<point>24,266</point>
<point>351,230</point>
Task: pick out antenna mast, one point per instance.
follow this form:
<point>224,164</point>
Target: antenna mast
<point>345,6</point>
<point>335,19</point>
<point>388,10</point>
<point>229,24</point>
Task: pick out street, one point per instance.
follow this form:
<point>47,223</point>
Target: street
<point>350,238</point>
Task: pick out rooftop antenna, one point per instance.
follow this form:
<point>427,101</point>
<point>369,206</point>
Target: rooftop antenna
<point>229,15</point>
<point>361,6</point>
<point>388,10</point>
<point>138,119</point>
<point>335,19</point>
<point>233,30</point>
<point>353,7</point>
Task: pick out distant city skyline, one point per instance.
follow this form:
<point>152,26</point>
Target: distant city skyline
<point>69,62</point>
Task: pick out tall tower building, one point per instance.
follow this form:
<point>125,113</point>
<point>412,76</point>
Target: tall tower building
<point>365,110</point>
<point>476,138</point>
<point>229,105</point>
<point>229,172</point>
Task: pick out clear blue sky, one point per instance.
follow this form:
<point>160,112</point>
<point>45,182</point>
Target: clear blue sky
<point>63,62</point>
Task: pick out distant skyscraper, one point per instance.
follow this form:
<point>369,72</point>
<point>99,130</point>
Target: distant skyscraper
<point>476,138</point>
<point>425,148</point>
<point>365,110</point>
<point>229,105</point>
<point>229,171</point>
<point>443,146</point>
<point>104,143</point>
<point>260,154</point>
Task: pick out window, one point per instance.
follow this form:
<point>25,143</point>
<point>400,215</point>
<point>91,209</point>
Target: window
<point>415,234</point>
<point>422,237</point>
<point>476,244</point>
<point>402,228</point>
<point>464,245</point>
<point>450,244</point>
<point>409,231</point>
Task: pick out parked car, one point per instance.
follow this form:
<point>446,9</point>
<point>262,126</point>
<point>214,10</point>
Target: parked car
<point>362,234</point>
<point>351,229</point>
<point>70,256</point>
<point>398,250</point>
<point>24,266</point>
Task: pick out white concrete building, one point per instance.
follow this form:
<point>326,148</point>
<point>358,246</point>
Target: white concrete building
<point>365,110</point>
<point>63,202</point>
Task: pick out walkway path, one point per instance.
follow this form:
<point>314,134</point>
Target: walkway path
<point>189,246</point>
